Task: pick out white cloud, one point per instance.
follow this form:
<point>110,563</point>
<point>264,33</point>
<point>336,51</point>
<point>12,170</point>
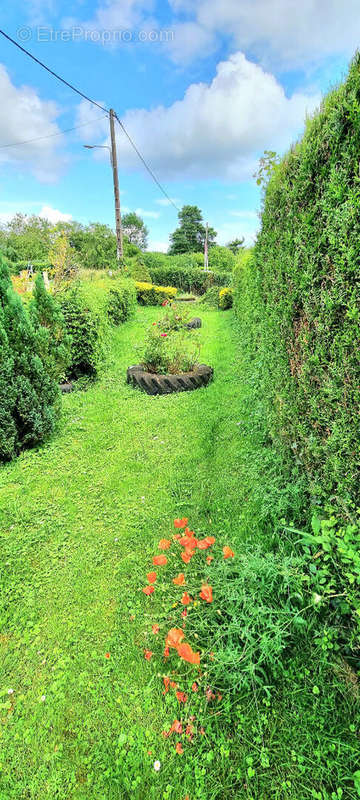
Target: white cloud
<point>190,40</point>
<point>217,129</point>
<point>147,214</point>
<point>244,215</point>
<point>279,32</point>
<point>95,125</point>
<point>53,215</point>
<point>162,201</point>
<point>25,116</point>
<point>116,15</point>
<point>158,247</point>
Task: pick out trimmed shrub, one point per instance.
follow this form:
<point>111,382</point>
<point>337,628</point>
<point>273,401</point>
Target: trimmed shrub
<point>29,396</point>
<point>226,298</point>
<point>221,259</point>
<point>121,304</point>
<point>48,320</point>
<point>85,328</point>
<point>150,295</point>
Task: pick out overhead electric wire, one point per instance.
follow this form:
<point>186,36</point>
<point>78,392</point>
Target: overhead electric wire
<point>122,126</point>
<point>50,135</point>
<point>94,103</point>
<point>58,77</point>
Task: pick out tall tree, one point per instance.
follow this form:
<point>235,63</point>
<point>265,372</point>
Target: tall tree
<point>189,237</point>
<point>135,230</point>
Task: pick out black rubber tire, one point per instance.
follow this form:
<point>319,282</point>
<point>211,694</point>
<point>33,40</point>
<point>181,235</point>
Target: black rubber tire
<point>153,383</point>
<point>194,323</point>
<point>67,387</point>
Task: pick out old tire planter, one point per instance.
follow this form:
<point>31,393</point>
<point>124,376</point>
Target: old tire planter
<point>194,323</point>
<point>154,383</point>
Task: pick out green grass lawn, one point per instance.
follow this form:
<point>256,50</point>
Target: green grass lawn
<point>80,519</point>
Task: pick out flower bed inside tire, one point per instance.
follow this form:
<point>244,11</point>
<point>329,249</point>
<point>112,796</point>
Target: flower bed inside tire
<point>155,383</point>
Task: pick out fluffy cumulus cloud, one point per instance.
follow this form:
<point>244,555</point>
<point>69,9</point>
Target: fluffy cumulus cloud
<point>53,215</point>
<point>284,33</point>
<point>24,116</point>
<point>217,129</point>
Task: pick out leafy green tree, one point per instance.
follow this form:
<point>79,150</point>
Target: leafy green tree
<point>189,237</point>
<point>135,230</point>
<point>221,259</point>
<point>26,238</point>
<point>29,396</point>
<point>98,249</point>
<point>236,245</point>
<point>48,320</point>
<point>64,260</point>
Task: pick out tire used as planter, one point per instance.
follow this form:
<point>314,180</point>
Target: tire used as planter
<point>194,323</point>
<point>154,383</point>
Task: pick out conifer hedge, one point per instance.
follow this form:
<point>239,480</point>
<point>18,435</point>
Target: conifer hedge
<point>305,277</point>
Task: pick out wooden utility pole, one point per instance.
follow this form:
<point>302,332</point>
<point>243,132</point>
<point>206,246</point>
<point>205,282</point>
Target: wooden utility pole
<point>119,235</point>
<point>206,250</point>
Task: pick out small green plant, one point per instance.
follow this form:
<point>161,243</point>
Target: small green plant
<point>150,295</point>
<point>84,327</point>
<point>170,352</point>
<point>49,322</point>
<point>226,298</point>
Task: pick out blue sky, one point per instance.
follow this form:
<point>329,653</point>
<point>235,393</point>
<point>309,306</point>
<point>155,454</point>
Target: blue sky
<point>203,87</point>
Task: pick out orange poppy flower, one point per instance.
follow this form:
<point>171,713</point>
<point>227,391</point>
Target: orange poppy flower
<point>179,748</point>
<point>155,628</point>
<point>195,687</point>
<point>179,580</point>
<point>164,544</point>
<point>206,593</point>
<point>173,685</point>
<point>209,559</point>
<point>166,652</point>
<point>186,599</point>
<point>149,589</point>
<point>151,576</point>
<point>147,654</point>
<point>182,697</point>
<point>189,542</point>
<point>174,637</point>
<point>228,552</point>
<point>166,684</point>
<point>210,539</point>
<point>187,654</point>
<point>177,536</point>
<point>184,614</point>
<point>181,523</point>
<point>188,532</point>
<point>159,561</point>
<point>186,556</point>
<point>203,544</point>
<point>107,655</point>
<point>176,727</point>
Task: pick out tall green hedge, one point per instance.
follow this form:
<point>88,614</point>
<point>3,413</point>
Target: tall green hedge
<point>305,274</point>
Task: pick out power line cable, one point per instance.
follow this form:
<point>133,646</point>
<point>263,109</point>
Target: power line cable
<point>58,77</point>
<point>122,126</point>
<point>50,135</point>
<point>93,102</point>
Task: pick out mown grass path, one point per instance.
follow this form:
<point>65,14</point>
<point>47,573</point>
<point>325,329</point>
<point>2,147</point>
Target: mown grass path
<point>79,521</point>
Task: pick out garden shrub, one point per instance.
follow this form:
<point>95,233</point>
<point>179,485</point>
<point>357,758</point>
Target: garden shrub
<point>150,295</point>
<point>185,271</point>
<point>170,350</point>
<point>211,297</point>
<point>29,396</point>
<point>48,320</point>
<point>85,328</point>
<point>121,303</point>
<point>226,298</point>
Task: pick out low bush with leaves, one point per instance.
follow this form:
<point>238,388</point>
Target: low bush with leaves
<point>226,298</point>
<point>85,328</point>
<point>149,294</point>
<point>49,322</point>
<point>170,351</point>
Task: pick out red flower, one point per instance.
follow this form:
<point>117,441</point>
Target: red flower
<point>210,539</point>
<point>179,580</point>
<point>195,687</point>
<point>173,685</point>
<point>151,576</point>
<point>174,637</point>
<point>182,697</point>
<point>203,544</point>
<point>176,727</point>
<point>179,748</point>
<point>149,589</point>
<point>159,561</point>
<point>107,655</point>
<point>189,542</point>
<point>177,536</point>
<point>209,559</point>
<point>166,652</point>
<point>163,334</point>
<point>147,654</point>
<point>166,684</point>
<point>206,593</point>
<point>155,628</point>
<point>184,614</point>
<point>186,599</point>
<point>181,523</point>
<point>187,654</point>
<point>187,556</point>
<point>228,552</point>
<point>164,544</point>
